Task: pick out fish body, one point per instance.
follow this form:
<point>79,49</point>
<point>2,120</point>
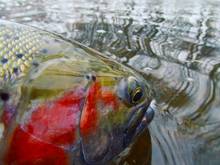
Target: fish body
<point>64,103</point>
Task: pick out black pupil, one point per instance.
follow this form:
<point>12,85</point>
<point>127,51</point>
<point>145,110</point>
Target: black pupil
<point>137,96</point>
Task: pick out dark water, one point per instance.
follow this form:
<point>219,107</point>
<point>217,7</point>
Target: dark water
<point>175,45</point>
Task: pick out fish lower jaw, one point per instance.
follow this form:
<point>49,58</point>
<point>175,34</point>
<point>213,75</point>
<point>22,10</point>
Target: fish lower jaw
<point>138,121</point>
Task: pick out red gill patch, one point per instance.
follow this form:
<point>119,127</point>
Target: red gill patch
<point>49,127</point>
<point>90,115</point>
<point>25,149</point>
<point>54,124</point>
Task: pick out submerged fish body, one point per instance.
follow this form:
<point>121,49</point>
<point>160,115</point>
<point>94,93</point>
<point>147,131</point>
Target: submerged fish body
<point>63,103</point>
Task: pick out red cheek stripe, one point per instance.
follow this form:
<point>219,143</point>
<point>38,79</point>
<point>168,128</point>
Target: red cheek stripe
<point>90,114</point>
<point>110,99</point>
<point>53,125</point>
<point>89,117</point>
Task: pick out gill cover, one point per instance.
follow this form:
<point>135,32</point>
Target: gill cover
<point>106,114</point>
<point>96,138</point>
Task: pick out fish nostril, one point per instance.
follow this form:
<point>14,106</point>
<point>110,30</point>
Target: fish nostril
<point>91,77</point>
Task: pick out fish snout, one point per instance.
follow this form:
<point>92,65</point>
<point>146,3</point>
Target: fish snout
<point>135,93</point>
<point>138,120</point>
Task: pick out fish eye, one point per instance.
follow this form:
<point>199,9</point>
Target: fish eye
<point>130,90</point>
<point>136,95</point>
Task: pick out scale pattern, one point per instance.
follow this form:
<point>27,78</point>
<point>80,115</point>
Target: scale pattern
<point>18,46</point>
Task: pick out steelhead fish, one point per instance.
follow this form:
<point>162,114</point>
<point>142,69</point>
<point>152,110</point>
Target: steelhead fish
<point>64,103</point>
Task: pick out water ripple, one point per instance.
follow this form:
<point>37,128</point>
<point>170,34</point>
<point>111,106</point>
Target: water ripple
<point>175,45</point>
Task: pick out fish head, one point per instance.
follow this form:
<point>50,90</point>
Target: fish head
<point>74,100</point>
<point>102,110</point>
<point>116,110</point>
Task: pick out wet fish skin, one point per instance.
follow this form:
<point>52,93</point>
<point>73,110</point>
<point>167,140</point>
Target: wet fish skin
<point>55,112</point>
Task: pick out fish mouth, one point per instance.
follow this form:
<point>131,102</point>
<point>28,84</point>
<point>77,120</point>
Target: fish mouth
<point>141,115</point>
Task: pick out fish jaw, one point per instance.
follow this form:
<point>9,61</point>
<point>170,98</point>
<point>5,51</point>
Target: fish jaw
<point>139,119</point>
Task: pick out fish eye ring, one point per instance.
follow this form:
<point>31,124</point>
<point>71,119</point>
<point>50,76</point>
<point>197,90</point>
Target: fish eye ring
<point>136,95</point>
<point>130,90</point>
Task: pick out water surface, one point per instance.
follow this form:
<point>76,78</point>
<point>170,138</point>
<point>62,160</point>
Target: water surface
<point>176,47</point>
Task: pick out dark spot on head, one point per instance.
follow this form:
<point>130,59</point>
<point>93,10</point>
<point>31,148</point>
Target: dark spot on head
<point>44,50</point>
<point>19,55</point>
<point>4,96</point>
<point>35,64</point>
<point>87,77</point>
<point>91,77</point>
<point>15,70</point>
<point>4,60</point>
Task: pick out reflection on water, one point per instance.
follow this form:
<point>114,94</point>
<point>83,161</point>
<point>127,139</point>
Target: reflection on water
<point>175,45</point>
